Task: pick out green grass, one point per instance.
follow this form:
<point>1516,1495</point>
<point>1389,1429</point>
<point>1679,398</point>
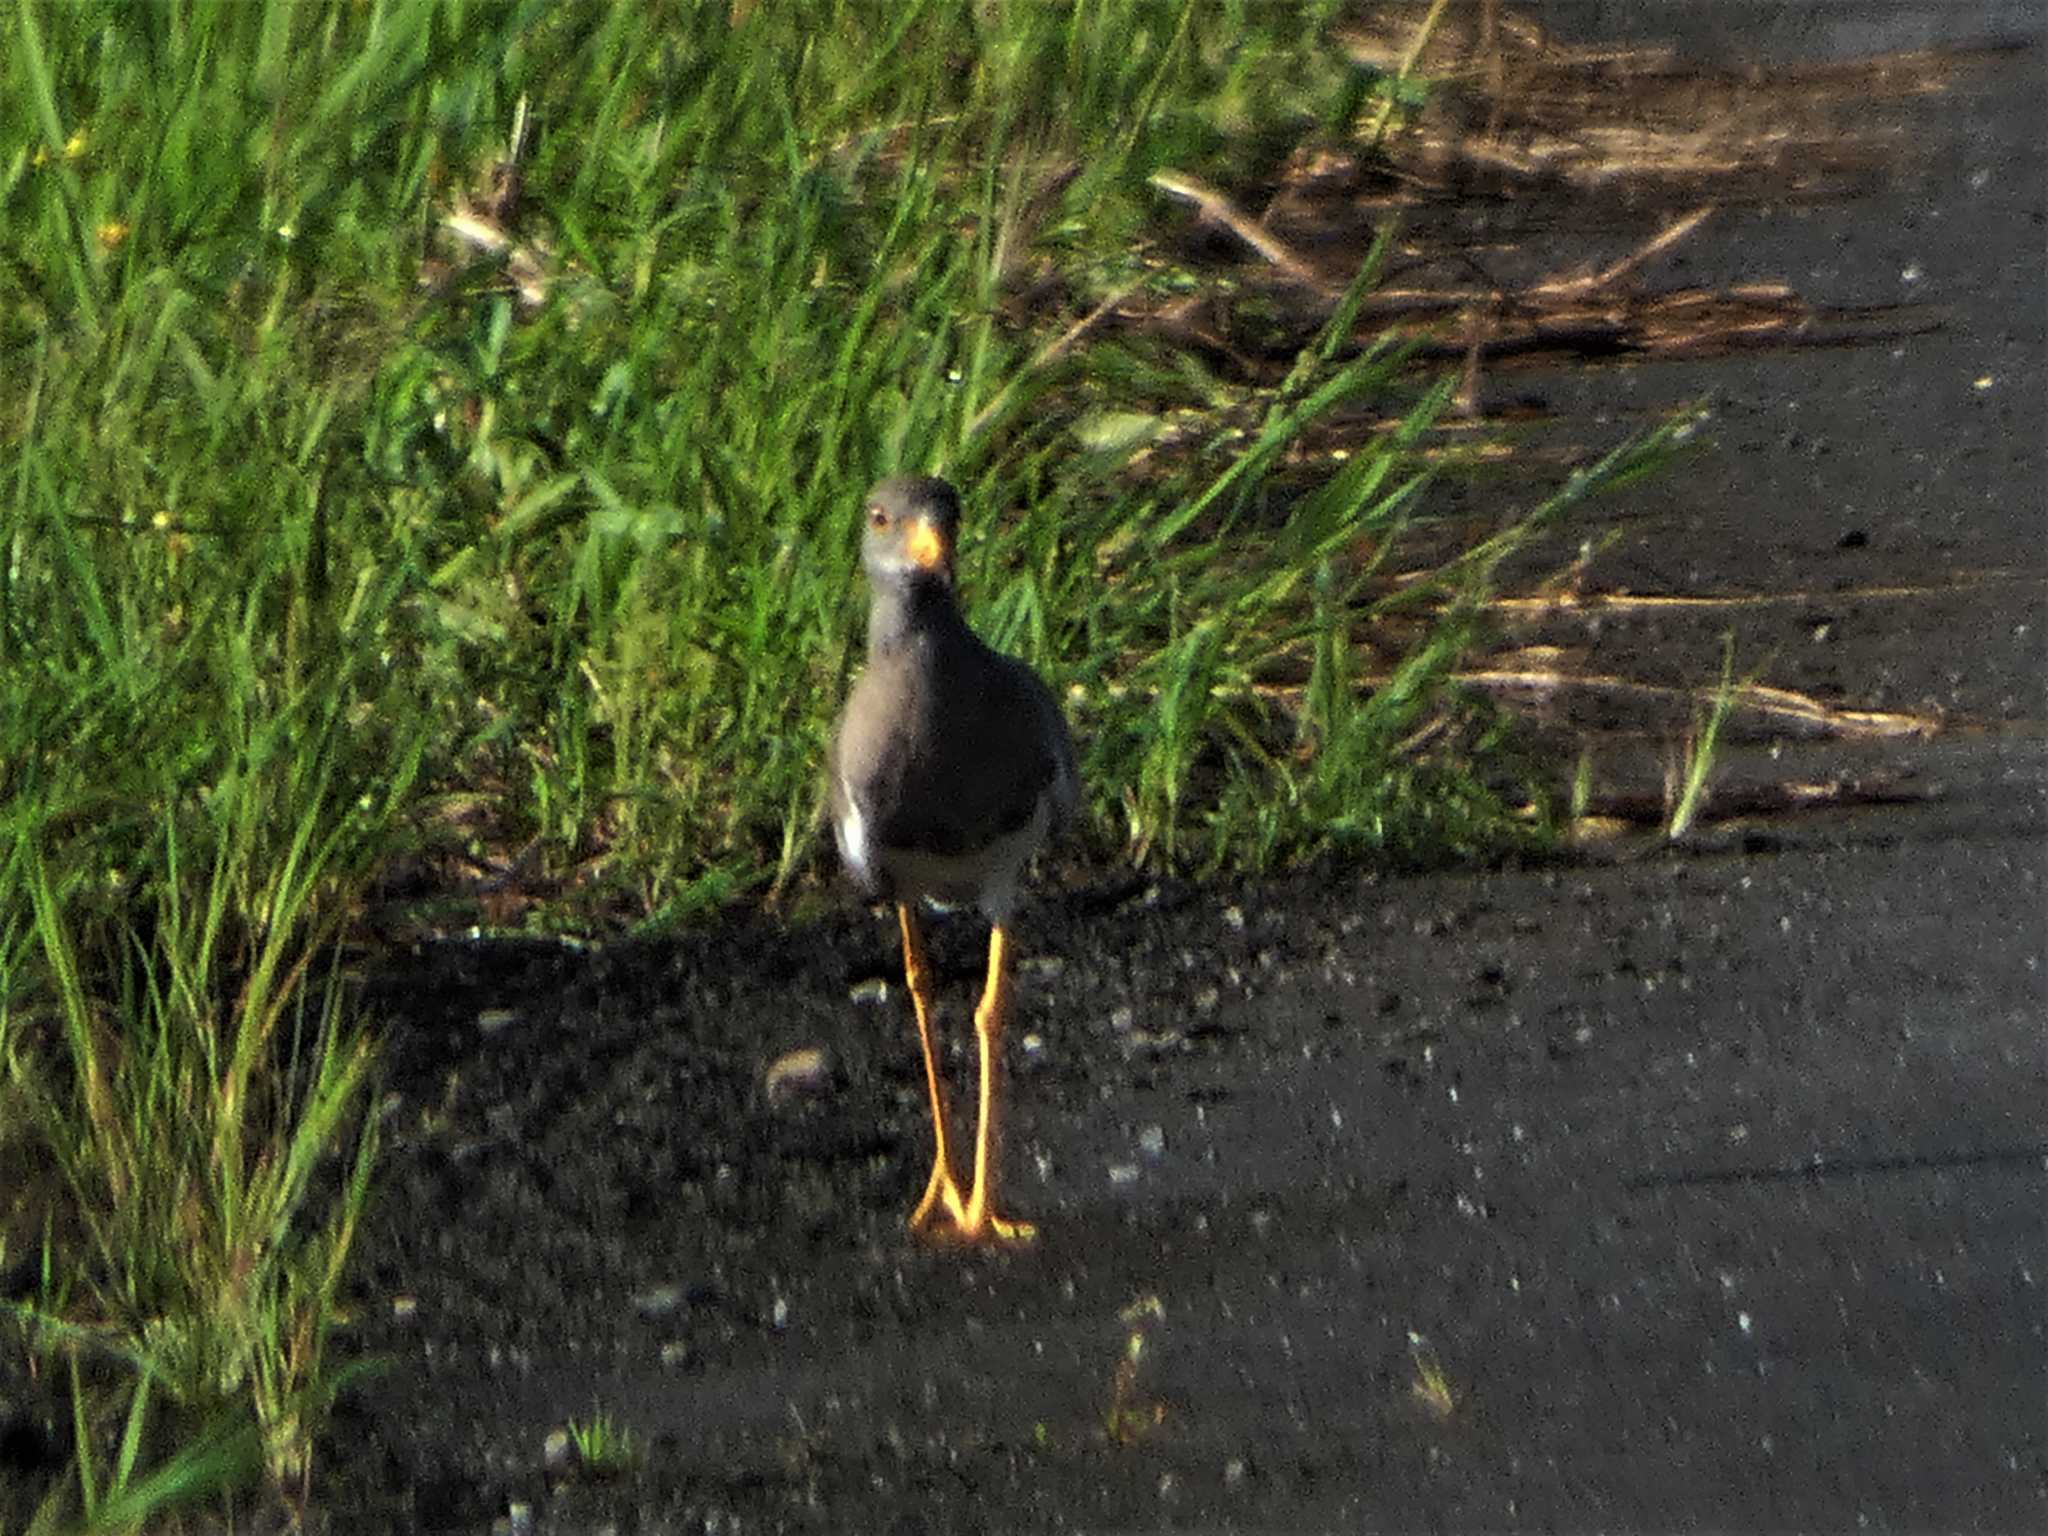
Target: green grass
<point>604,1447</point>
<point>1694,778</point>
<point>327,537</point>
<point>120,1497</point>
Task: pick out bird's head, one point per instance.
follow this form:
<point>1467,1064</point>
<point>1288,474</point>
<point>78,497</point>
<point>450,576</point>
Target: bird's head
<point>910,524</point>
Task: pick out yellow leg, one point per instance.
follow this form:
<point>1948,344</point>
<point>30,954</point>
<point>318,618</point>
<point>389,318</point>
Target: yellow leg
<point>980,1219</point>
<point>940,1189</point>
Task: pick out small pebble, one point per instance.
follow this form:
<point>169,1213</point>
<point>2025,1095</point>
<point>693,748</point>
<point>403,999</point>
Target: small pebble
<point>1123,1173</point>
<point>555,1453</point>
<point>491,1020</point>
<point>1152,1141</point>
<point>800,1073</point>
<point>660,1301</point>
<point>874,990</point>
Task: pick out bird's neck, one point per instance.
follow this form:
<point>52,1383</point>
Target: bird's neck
<point>900,612</point>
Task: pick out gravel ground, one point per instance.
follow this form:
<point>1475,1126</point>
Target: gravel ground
<point>1711,1187</point>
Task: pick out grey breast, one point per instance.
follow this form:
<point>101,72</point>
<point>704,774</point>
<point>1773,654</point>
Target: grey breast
<point>947,751</point>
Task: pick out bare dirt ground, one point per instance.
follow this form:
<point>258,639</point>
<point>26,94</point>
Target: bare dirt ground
<point>1713,1187</point>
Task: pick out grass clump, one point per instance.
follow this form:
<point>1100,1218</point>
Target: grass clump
<point>604,1448</point>
<point>599,414</point>
<point>1693,779</point>
<point>190,810</point>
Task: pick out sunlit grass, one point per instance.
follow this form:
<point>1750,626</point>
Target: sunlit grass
<point>1702,746</point>
<point>1431,1387</point>
<point>1130,1415</point>
<point>607,538</point>
<point>603,1446</point>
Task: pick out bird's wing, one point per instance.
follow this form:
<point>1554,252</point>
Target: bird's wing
<point>844,794</point>
<point>1046,744</point>
<point>958,760</point>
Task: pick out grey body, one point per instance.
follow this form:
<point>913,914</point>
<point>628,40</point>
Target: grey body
<point>952,763</point>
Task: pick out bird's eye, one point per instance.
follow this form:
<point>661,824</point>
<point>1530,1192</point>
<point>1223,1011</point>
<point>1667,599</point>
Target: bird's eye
<point>878,517</point>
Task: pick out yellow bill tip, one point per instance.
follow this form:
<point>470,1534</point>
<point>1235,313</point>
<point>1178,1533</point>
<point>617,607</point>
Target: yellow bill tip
<point>925,545</point>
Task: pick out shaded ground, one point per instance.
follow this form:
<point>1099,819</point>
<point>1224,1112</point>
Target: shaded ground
<point>1715,1186</point>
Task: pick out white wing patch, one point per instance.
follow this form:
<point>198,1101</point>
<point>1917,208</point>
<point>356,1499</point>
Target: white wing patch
<point>853,838</point>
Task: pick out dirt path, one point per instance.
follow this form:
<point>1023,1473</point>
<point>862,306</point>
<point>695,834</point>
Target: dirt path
<point>1714,1186</point>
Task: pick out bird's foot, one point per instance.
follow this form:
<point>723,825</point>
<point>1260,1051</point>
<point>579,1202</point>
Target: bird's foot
<point>1003,1230</point>
<point>977,1223</point>
<point>939,1191</point>
<point>964,1222</point>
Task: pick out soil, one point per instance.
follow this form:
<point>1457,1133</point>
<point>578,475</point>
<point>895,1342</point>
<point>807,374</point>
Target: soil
<point>1646,1190</point>
<point>1712,1187</point>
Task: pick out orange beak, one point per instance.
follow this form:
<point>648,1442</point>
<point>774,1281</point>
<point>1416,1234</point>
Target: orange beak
<point>925,545</point>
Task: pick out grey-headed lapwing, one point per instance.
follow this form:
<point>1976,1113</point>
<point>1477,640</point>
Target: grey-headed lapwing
<point>950,767</point>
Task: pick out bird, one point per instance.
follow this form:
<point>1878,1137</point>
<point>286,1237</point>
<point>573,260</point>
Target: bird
<point>951,766</point>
